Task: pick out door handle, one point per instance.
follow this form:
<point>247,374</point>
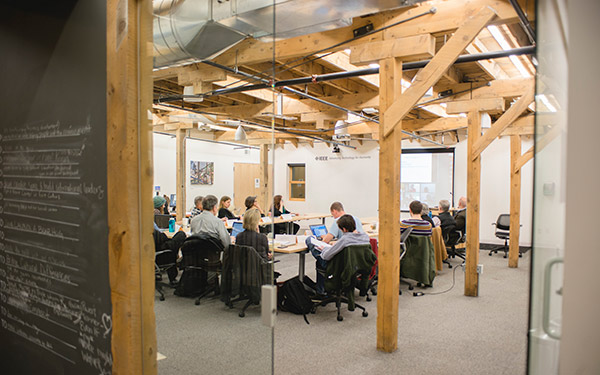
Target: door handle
<point>546,307</point>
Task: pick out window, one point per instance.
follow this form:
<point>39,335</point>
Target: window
<point>297,182</point>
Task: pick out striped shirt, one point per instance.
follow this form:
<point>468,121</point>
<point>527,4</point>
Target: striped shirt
<point>420,227</point>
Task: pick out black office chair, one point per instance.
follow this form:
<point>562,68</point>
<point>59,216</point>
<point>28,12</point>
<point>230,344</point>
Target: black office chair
<point>201,263</point>
<point>502,232</point>
<point>452,239</point>
<point>159,270</point>
<point>342,277</point>
<point>244,274</point>
<point>165,260</point>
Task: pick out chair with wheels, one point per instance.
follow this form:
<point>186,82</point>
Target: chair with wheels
<point>452,240</point>
<point>159,269</point>
<point>244,274</point>
<point>165,259</point>
<point>502,232</point>
<point>201,263</point>
<point>341,277</point>
<point>418,263</point>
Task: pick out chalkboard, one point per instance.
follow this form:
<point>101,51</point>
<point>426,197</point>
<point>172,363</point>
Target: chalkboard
<point>55,311</point>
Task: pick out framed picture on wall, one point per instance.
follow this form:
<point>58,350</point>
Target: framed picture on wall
<point>202,172</point>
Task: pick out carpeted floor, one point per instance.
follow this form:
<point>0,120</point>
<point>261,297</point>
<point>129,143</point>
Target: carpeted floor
<point>447,333</point>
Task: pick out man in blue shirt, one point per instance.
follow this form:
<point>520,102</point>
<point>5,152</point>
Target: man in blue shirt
<point>337,210</point>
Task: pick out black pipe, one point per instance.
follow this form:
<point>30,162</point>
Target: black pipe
<point>524,21</point>
<point>354,73</point>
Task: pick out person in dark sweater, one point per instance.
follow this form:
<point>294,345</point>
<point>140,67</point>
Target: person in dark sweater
<point>278,209</point>
<point>448,223</point>
<point>224,212</point>
<point>251,237</point>
<point>425,215</point>
<point>460,216</point>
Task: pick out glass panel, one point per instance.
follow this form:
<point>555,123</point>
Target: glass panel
<point>297,191</point>
<point>549,187</point>
<point>298,173</point>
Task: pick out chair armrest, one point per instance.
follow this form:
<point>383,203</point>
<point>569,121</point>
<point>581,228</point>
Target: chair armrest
<point>162,252</point>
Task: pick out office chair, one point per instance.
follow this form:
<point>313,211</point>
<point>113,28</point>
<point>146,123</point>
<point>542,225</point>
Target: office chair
<point>202,262</point>
<point>165,260</point>
<point>502,232</point>
<point>341,277</point>
<point>159,269</point>
<point>403,238</point>
<point>451,240</point>
<point>162,221</point>
<point>419,261</point>
<point>244,273</point>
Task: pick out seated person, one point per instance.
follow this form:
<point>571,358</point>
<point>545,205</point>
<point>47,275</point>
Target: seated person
<point>448,223</point>
<point>162,242</point>
<point>350,236</point>
<point>224,212</point>
<point>337,211</point>
<point>159,205</point>
<point>197,209</point>
<point>425,215</point>
<point>278,209</point>
<point>251,237</point>
<point>252,203</point>
<point>460,216</point>
<point>208,223</point>
<point>420,226</point>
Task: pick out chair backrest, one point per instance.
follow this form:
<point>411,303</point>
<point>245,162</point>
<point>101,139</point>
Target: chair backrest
<point>201,251</point>
<point>162,221</point>
<point>405,234</point>
<point>503,222</point>
<point>244,272</point>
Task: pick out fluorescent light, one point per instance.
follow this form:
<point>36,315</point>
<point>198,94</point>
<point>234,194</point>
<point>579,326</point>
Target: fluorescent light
<point>505,46</point>
<point>373,65</point>
<point>544,99</point>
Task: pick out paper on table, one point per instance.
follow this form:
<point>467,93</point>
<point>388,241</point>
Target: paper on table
<point>319,244</point>
<point>285,238</point>
<point>286,216</point>
<point>265,219</point>
<point>231,221</point>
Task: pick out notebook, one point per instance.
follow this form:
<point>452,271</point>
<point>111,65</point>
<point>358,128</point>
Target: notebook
<point>237,228</point>
<point>318,230</point>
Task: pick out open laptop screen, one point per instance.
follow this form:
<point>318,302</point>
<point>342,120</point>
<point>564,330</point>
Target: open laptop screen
<point>237,228</point>
<point>318,230</point>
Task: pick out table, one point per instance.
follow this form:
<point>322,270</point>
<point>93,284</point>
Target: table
<point>301,250</point>
<point>289,222</point>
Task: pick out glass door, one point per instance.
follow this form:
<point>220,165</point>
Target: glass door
<point>549,188</point>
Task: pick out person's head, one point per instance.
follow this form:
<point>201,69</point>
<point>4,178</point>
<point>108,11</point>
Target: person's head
<point>198,202</point>
<point>346,223</point>
<point>159,202</point>
<point>209,203</point>
<point>251,219</point>
<point>415,208</point>
<point>277,202</point>
<point>444,205</point>
<point>166,199</point>
<point>225,202</point>
<point>336,209</point>
<point>462,202</point>
<point>249,202</point>
<point>425,209</point>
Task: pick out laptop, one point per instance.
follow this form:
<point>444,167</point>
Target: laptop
<point>162,221</point>
<point>237,228</point>
<point>318,230</point>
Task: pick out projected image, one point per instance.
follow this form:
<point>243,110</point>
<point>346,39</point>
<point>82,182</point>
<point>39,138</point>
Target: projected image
<point>202,172</point>
<point>428,194</point>
<point>426,177</point>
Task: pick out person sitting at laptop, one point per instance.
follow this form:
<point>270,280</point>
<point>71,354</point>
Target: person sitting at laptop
<point>346,224</point>
<point>337,211</point>
<point>279,209</point>
<point>251,236</point>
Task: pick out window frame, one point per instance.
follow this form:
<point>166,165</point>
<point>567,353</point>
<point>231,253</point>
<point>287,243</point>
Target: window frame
<point>295,182</point>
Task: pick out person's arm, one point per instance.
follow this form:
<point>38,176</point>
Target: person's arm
<point>327,238</point>
<point>330,252</point>
<point>224,235</point>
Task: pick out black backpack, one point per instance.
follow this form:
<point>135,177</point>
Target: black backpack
<point>293,296</point>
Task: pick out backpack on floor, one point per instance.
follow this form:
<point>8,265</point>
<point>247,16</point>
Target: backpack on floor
<point>293,296</point>
<point>193,282</point>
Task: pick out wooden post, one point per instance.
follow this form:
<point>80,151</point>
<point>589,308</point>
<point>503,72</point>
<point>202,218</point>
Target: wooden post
<point>390,149</point>
<point>473,198</point>
<point>180,174</point>
<point>129,179</point>
<point>515,201</point>
<point>263,197</point>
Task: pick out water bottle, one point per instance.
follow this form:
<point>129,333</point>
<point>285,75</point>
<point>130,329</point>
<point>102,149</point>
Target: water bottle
<point>171,225</point>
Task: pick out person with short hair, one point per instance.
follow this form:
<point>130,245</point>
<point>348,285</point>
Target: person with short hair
<point>197,209</point>
<point>159,204</point>
<point>251,236</point>
<point>425,215</point>
<point>279,209</point>
<point>460,216</point>
<point>208,223</point>
<point>350,236</point>
<point>337,211</point>
<point>420,226</point>
<point>448,223</point>
<point>224,211</point>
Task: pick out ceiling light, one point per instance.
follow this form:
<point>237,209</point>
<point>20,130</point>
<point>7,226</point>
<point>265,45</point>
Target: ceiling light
<point>347,50</point>
<point>240,134</point>
<point>369,111</point>
<point>373,65</point>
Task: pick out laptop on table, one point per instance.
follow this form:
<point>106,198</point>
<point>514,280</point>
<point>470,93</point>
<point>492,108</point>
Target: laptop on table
<point>318,230</point>
<point>237,228</point>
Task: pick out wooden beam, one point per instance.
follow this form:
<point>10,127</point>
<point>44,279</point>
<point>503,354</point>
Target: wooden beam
<point>129,179</point>
<point>515,202</point>
<point>180,174</point>
<point>262,94</point>
<point>490,105</point>
<point>488,66</point>
<point>524,125</point>
<point>434,70</point>
<point>189,75</point>
<point>501,88</point>
<point>453,75</point>
<point>417,47</point>
<point>341,61</point>
<point>473,199</point>
<point>335,114</point>
<point>390,148</point>
<point>542,142</point>
<point>294,142</point>
<point>503,122</point>
<point>441,124</point>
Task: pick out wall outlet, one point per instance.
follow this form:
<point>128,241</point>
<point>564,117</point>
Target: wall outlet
<point>480,269</point>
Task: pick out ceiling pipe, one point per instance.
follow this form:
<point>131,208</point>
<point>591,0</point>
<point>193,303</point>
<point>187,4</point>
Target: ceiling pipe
<point>524,21</point>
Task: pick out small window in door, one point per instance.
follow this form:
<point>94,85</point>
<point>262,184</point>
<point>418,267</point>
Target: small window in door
<point>297,182</point>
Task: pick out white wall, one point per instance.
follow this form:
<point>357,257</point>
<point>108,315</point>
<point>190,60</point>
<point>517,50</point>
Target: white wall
<point>224,156</point>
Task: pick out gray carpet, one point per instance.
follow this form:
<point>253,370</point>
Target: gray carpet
<point>447,333</point>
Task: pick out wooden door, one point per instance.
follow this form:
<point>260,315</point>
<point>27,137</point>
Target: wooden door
<point>244,184</point>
